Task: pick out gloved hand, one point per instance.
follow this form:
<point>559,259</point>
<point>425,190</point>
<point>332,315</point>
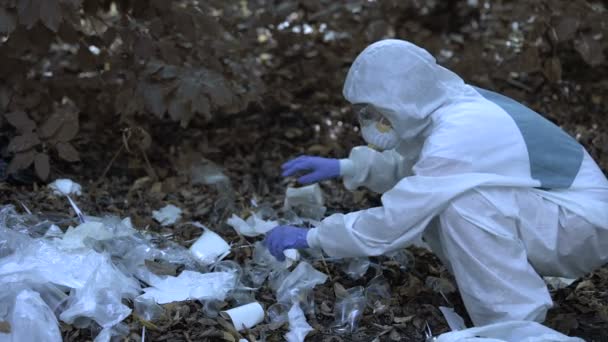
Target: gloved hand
<point>322,168</point>
<point>285,237</point>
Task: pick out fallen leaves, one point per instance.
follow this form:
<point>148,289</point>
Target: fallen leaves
<point>31,145</point>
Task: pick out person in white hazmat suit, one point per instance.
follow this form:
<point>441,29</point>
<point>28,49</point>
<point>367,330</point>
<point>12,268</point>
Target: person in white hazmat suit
<point>500,194</point>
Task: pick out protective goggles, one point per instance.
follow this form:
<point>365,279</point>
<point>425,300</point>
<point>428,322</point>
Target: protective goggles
<point>367,114</point>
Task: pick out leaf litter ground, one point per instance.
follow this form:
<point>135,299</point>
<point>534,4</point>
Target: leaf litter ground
<point>306,115</point>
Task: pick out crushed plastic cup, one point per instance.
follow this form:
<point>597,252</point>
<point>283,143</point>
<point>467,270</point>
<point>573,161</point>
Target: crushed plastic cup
<point>378,293</point>
<point>277,313</point>
<point>64,186</point>
<point>208,173</point>
<point>349,310</point>
<point>253,226</point>
<point>356,268</point>
<point>245,316</point>
<point>210,247</point>
<point>243,295</point>
<point>261,256</point>
<point>230,267</point>
<point>290,217</point>
<point>306,195</point>
<point>167,215</point>
<point>255,275</point>
<point>298,326</point>
<point>147,309</point>
<point>307,201</point>
<point>403,257</point>
<point>304,277</point>
<point>276,278</point>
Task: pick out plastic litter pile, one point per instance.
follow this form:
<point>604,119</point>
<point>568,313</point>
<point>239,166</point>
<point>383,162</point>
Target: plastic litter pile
<point>101,270</point>
<point>86,274</point>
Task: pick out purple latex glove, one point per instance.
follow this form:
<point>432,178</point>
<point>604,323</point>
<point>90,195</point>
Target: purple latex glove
<point>285,237</point>
<point>322,168</point>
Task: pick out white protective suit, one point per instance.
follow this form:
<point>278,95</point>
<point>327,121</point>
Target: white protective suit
<point>499,193</point>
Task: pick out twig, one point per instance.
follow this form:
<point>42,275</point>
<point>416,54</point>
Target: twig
<point>326,268</point>
<point>150,169</point>
<point>103,175</point>
<point>519,85</point>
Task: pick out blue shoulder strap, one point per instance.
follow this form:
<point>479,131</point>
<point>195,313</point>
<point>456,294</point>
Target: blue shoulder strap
<point>555,157</point>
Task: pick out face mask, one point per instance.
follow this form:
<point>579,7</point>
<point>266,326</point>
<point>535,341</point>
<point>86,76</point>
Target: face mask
<point>380,136</point>
<point>375,128</point>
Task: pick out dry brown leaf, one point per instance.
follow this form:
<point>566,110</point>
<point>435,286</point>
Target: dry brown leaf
<point>585,285</point>
<point>225,323</point>
<point>339,290</point>
<point>590,49</point>
<point>552,70</point>
<point>565,323</point>
<point>161,269</point>
<point>23,142</point>
<point>228,336</point>
<point>67,152</point>
<point>565,28</point>
<point>21,161</point>
<point>402,320</point>
<point>51,125</point>
<point>20,121</point>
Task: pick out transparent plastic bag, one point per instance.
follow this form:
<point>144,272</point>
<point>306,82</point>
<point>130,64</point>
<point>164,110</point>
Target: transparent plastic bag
<point>512,331</point>
<point>356,268</point>
<point>378,293</point>
<point>31,320</point>
<point>100,299</point>
<point>304,277</point>
<point>349,310</point>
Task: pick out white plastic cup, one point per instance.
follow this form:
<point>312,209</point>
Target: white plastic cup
<point>291,255</point>
<point>306,195</point>
<point>209,248</point>
<point>245,316</point>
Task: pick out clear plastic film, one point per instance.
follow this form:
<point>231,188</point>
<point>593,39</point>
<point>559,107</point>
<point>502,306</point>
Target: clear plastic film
<point>356,268</point>
<point>302,279</point>
<point>378,293</point>
<point>30,319</point>
<point>349,310</point>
